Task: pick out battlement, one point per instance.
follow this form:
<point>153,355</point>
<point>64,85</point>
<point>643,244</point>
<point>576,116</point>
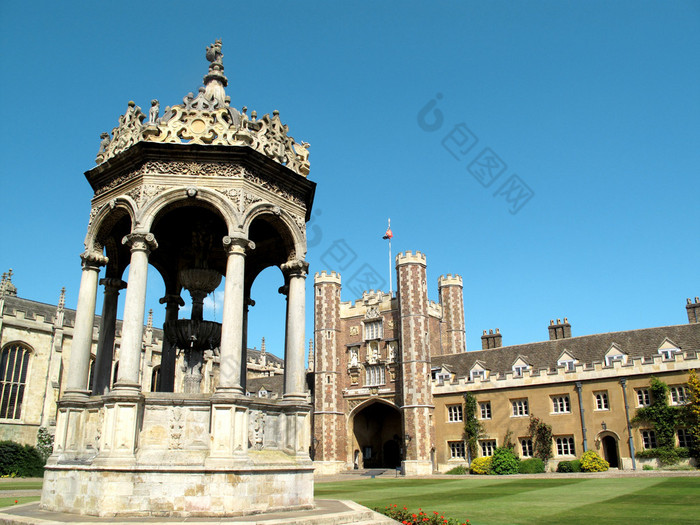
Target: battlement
<point>595,370</point>
<point>450,280</point>
<point>327,278</point>
<point>409,257</point>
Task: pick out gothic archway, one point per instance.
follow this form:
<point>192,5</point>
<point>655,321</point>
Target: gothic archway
<point>377,431</point>
<point>611,452</point>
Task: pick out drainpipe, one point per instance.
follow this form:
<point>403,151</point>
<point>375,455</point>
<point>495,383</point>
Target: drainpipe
<point>583,421</point>
<point>623,382</point>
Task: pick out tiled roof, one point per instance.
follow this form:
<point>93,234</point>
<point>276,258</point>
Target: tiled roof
<point>586,349</point>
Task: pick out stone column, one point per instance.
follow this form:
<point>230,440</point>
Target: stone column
<point>172,302</point>
<point>232,319</point>
<point>105,341</point>
<point>294,371</point>
<point>134,308</point>
<point>248,302</point>
<point>76,384</point>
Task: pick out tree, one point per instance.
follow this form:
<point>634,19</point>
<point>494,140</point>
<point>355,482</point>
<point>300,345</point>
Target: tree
<point>691,414</point>
<point>541,434</point>
<point>472,427</point>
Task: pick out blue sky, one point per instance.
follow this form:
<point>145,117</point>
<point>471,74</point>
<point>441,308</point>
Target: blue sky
<point>580,122</point>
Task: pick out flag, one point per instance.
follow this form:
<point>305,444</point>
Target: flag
<point>388,234</point>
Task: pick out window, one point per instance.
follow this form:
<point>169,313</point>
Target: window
<point>601,401</point>
<point>155,379</point>
<point>643,397</point>
<point>485,409</point>
<point>520,407</point>
<point>487,447</point>
<point>667,353</point>
<point>454,413</point>
<point>477,373</point>
<point>610,359</point>
<point>561,404</point>
<point>374,375</point>
<point>569,364</point>
<point>648,439</point>
<point>526,447</point>
<point>457,449</point>
<point>679,396</point>
<point>13,377</point>
<point>91,374</point>
<point>565,446</point>
<point>685,438</point>
<point>518,370</point>
<point>373,330</point>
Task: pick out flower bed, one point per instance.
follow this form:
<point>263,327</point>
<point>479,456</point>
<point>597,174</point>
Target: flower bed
<point>406,517</point>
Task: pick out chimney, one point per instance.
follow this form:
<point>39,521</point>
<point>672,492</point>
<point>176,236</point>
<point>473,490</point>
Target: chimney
<point>559,330</point>
<point>491,340</point>
<point>693,310</point>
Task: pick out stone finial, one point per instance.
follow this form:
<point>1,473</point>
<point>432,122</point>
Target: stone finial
<point>215,81</point>
<point>262,346</point>
<point>62,299</point>
<point>149,323</point>
<point>6,286</point>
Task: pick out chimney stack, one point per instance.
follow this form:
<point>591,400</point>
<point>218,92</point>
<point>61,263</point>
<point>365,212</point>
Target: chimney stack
<point>559,330</point>
<point>491,340</point>
<point>693,310</point>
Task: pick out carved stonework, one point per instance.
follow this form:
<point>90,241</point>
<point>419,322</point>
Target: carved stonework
<point>256,430</point>
<point>203,169</point>
<point>354,330</point>
<point>249,199</point>
<point>390,324</point>
<point>207,119</point>
<point>270,186</point>
<point>177,426</point>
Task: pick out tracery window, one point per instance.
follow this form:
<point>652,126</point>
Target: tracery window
<point>374,375</point>
<point>373,330</point>
<point>13,377</point>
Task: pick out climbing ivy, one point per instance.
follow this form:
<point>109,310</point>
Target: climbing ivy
<point>541,434</point>
<point>692,414</point>
<point>472,427</point>
<point>660,414</point>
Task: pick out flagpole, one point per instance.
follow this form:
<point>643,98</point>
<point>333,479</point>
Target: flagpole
<point>391,291</point>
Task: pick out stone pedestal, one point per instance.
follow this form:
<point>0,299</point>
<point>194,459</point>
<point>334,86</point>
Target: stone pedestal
<point>165,454</point>
<point>417,468</point>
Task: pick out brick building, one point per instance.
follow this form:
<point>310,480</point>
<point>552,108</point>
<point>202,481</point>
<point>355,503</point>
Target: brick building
<point>390,373</point>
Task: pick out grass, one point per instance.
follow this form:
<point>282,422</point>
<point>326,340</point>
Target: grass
<point>20,485</point>
<point>8,502</point>
<point>493,501</point>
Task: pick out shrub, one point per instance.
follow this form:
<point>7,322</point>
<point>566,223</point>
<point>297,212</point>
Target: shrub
<point>481,466</point>
<point>22,460</point>
<point>592,462</point>
<point>569,466</point>
<point>504,461</point>
<point>44,443</point>
<point>647,467</point>
<point>458,471</point>
<point>665,455</point>
<point>531,466</point>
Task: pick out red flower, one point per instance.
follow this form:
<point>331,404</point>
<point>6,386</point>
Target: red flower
<point>15,501</point>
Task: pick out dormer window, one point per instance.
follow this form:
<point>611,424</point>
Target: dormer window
<point>610,359</point>
<point>518,370</point>
<point>668,350</point>
<point>477,373</point>
<point>568,361</point>
<point>373,330</point>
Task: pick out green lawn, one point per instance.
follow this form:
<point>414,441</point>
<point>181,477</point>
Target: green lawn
<point>20,485</point>
<point>495,500</point>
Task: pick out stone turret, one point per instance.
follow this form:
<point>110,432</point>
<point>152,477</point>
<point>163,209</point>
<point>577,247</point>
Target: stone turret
<point>452,301</point>
<point>330,434</point>
<point>415,362</point>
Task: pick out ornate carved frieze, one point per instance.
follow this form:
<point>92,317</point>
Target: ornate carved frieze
<point>202,169</point>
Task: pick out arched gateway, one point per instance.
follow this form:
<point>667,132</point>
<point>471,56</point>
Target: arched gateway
<point>202,193</point>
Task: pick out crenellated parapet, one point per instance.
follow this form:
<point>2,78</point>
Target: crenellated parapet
<point>409,257</point>
<point>450,280</point>
<point>327,278</point>
<point>596,370</point>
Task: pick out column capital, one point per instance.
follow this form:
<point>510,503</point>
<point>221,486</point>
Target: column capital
<point>93,260</point>
<point>140,241</point>
<point>237,243</point>
<point>112,283</point>
<point>295,268</point>
<point>172,299</point>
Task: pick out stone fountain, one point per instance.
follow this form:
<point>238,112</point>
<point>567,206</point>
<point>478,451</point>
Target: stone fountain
<point>195,336</point>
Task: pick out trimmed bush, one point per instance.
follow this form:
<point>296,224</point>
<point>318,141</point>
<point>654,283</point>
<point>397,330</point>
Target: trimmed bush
<point>569,466</point>
<point>592,462</point>
<point>531,466</point>
<point>665,455</point>
<point>481,466</point>
<point>504,461</point>
<point>20,460</point>
<point>457,471</point>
